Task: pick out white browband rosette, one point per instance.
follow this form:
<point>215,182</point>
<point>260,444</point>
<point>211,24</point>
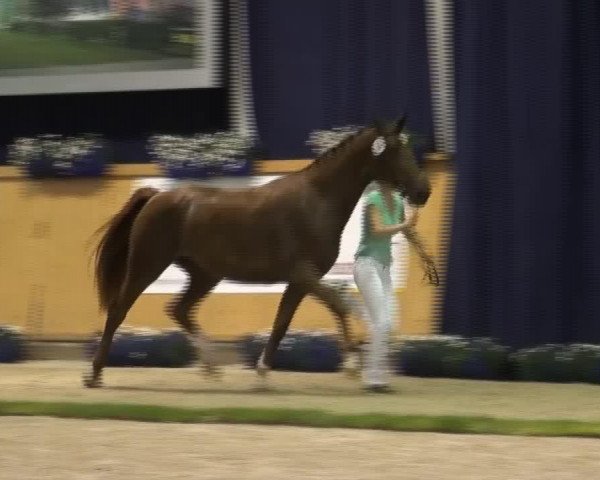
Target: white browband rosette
<point>378,146</point>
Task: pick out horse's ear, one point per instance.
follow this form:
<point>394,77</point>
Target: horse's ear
<point>379,126</point>
<point>400,124</point>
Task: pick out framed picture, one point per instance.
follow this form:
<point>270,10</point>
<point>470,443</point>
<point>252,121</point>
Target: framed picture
<point>72,46</point>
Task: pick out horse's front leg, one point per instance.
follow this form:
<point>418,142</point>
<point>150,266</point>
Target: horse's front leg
<point>182,309</point>
<point>292,296</point>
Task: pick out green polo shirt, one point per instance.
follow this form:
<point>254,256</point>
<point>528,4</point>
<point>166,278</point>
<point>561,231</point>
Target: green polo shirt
<point>379,247</point>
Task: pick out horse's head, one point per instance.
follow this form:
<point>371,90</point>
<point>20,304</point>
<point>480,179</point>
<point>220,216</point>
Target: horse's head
<point>393,162</point>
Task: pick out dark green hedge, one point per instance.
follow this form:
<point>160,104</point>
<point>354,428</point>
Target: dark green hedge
<point>558,363</point>
<point>453,357</point>
<point>482,358</point>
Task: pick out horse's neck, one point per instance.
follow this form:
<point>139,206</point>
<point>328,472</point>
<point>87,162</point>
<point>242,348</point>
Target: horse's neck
<point>342,179</point>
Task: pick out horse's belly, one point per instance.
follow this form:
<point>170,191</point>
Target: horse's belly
<point>259,252</point>
<point>255,268</point>
<point>240,261</point>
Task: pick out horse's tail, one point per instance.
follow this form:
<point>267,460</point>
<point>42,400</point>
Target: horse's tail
<point>112,250</point>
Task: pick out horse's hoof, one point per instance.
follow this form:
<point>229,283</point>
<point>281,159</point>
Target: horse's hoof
<point>261,387</point>
<point>351,366</point>
<point>213,372</point>
<point>262,371</point>
<point>261,368</point>
<point>92,381</point>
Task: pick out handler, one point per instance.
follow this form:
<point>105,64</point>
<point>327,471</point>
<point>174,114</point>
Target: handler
<point>385,214</point>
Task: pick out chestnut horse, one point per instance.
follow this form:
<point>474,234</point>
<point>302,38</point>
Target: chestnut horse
<point>288,231</point>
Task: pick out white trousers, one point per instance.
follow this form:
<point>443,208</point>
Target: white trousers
<point>374,281</point>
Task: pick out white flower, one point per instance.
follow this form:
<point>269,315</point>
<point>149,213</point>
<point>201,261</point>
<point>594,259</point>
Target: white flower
<point>62,150</point>
<point>220,148</point>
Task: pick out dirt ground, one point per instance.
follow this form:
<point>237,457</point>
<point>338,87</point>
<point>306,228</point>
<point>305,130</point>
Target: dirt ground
<point>61,381</point>
<point>44,449</point>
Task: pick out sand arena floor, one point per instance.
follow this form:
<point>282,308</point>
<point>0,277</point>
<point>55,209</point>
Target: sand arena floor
<point>58,449</point>
<point>61,449</point>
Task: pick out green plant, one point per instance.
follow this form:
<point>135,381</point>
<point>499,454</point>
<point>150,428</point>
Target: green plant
<point>451,356</point>
<point>558,363</point>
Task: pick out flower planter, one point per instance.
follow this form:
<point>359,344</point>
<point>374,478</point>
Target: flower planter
<point>167,350</point>
<point>92,165</point>
<point>55,156</point>
<point>224,153</point>
<point>298,351</point>
<point>12,345</point>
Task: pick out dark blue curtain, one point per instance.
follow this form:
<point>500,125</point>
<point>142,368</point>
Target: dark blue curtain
<point>319,64</point>
<point>524,261</point>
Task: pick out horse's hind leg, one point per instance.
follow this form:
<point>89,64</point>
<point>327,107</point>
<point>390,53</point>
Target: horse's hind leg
<point>137,281</point>
<point>146,263</point>
<point>114,318</point>
<point>183,307</point>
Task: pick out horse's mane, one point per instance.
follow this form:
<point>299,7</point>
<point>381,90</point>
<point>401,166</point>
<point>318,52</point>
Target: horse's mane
<point>332,151</point>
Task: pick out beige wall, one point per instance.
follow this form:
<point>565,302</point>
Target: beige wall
<point>46,274</point>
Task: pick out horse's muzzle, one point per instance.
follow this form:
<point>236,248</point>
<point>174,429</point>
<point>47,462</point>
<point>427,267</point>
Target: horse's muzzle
<point>419,195</point>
